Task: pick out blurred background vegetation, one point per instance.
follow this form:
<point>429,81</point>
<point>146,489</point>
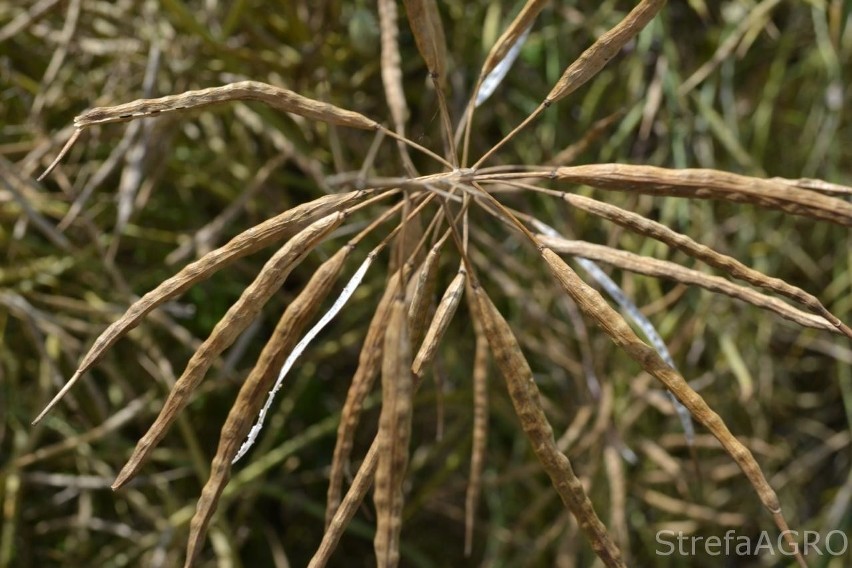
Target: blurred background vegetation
<point>757,87</point>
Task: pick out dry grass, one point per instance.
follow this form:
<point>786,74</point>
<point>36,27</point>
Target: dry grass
<point>425,219</point>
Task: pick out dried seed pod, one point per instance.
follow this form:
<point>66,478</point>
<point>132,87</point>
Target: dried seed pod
<point>605,48</point>
<point>276,97</point>
<point>443,316</point>
<point>527,402</point>
<point>394,435</point>
<point>234,322</point>
<point>509,37</point>
<point>421,295</point>
<point>245,243</point>
<point>594,306</point>
<point>351,501</point>
<point>391,69</point>
<point>250,398</point>
<point>369,363</point>
<point>341,300</point>
<point>587,65</point>
<point>732,266</point>
<point>425,22</point>
<point>348,506</point>
<point>710,184</point>
<point>673,271</point>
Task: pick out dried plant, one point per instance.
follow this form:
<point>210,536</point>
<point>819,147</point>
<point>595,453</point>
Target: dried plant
<point>446,220</point>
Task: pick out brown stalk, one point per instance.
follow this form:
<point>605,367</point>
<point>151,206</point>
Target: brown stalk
<point>394,435</point>
<point>682,508</point>
<point>618,497</point>
<point>610,321</point>
<point>527,402</point>
<point>480,428</point>
<point>253,391</point>
<point>245,243</point>
<point>234,322</point>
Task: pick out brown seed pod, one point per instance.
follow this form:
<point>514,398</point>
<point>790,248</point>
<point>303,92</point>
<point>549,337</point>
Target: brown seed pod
<point>393,436</point>
<point>527,402</point>
<point>254,389</point>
